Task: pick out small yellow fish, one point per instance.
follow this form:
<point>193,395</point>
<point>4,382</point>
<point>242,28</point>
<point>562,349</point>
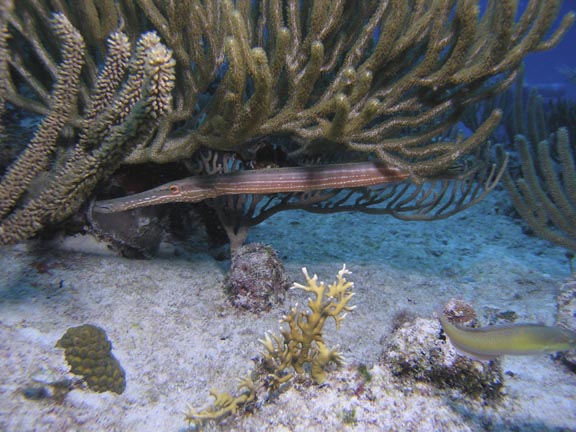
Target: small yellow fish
<point>487,343</point>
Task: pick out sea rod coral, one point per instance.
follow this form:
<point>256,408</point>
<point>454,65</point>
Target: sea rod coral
<point>328,81</point>
<point>130,94</point>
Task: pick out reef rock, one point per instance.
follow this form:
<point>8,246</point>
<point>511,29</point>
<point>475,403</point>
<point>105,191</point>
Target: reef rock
<point>418,350</point>
<point>257,278</point>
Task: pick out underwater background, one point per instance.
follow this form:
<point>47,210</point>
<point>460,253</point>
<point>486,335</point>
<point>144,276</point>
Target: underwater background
<point>546,67</point>
<point>171,334</point>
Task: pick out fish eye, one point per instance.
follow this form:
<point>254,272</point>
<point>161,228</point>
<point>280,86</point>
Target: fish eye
<point>174,189</point>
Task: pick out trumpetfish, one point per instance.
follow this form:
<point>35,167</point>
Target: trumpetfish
<point>262,181</point>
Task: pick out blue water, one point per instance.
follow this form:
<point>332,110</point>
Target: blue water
<point>543,69</point>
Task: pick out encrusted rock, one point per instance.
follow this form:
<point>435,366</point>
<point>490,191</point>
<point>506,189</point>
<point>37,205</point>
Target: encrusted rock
<point>418,350</point>
<point>134,233</point>
<point>461,313</point>
<point>567,318</point>
<point>257,278</point>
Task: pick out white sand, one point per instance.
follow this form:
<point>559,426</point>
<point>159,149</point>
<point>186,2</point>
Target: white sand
<point>177,337</point>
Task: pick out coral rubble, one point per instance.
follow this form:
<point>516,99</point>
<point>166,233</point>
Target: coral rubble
<point>566,318</point>
<point>418,351</point>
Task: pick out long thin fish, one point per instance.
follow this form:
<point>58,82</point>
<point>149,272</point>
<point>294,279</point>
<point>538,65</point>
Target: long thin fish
<point>490,342</point>
<point>264,181</point>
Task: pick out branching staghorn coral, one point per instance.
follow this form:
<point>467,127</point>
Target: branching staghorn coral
<point>383,77</point>
<point>285,355</point>
<point>303,342</point>
<point>129,97</point>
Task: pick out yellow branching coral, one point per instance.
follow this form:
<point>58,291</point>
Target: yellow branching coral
<point>301,343</point>
<point>224,404</point>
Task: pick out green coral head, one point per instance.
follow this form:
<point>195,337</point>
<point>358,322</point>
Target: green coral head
<point>89,354</point>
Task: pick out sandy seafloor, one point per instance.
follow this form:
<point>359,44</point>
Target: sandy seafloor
<point>177,337</point>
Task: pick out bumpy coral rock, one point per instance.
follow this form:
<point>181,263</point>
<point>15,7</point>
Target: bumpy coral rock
<point>88,352</point>
<point>257,278</point>
<point>567,318</point>
<point>418,350</point>
<point>135,234</point>
<point>461,313</point>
